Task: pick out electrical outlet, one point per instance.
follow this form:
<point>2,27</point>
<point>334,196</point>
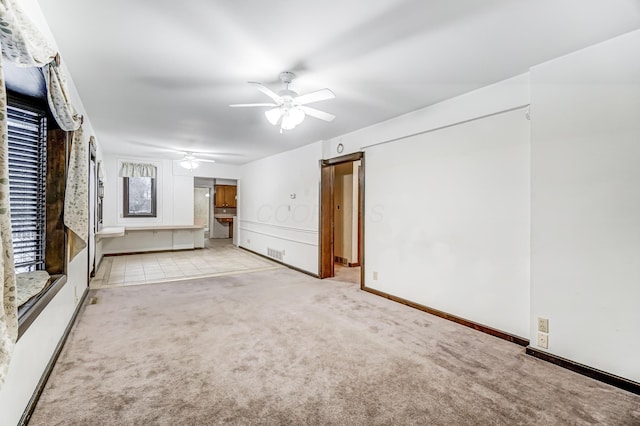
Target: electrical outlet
<point>543,340</point>
<point>375,275</point>
<point>543,325</point>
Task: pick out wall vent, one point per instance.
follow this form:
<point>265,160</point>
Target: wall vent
<point>276,254</point>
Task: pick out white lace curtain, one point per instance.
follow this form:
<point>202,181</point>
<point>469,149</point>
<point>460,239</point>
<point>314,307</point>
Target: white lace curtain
<point>129,169</point>
<point>23,44</point>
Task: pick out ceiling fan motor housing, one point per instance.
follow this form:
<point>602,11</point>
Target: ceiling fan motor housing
<point>287,77</point>
<point>287,94</point>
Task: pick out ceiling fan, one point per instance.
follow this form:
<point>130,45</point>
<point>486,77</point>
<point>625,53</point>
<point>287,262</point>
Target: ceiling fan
<point>190,162</point>
<point>289,108</point>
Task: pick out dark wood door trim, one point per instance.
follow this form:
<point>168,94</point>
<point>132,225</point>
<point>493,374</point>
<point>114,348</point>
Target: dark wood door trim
<point>361,216</point>
<point>326,238</point>
<point>343,159</point>
<point>325,252</point>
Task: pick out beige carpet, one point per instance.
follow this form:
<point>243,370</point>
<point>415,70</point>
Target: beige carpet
<point>280,348</point>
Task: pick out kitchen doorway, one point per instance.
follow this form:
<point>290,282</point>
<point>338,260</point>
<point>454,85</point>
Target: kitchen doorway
<point>215,207</point>
<point>342,218</point>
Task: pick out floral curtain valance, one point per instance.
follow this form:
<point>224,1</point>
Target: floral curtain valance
<point>22,42</point>
<point>129,169</point>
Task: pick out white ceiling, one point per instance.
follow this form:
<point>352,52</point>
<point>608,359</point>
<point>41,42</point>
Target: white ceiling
<point>157,76</point>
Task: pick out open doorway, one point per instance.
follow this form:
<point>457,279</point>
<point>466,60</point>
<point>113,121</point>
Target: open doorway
<point>341,218</point>
<point>215,208</point>
<point>202,209</point>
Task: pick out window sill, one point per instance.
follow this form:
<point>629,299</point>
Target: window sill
<point>28,312</point>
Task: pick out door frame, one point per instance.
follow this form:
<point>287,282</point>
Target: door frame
<point>93,216</point>
<point>327,217</point>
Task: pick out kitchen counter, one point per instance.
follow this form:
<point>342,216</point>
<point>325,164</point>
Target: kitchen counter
<point>223,216</point>
<point>226,220</point>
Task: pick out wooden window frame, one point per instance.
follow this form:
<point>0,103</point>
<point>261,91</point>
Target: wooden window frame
<point>55,242</point>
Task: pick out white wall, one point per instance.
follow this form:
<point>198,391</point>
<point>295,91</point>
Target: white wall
<point>507,94</point>
<point>174,195</point>
<point>230,172</point>
<point>270,218</point>
<point>448,220</point>
<point>586,204</point>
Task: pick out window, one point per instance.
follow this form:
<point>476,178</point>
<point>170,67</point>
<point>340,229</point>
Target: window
<point>27,178</point>
<point>139,197</point>
<point>37,151</point>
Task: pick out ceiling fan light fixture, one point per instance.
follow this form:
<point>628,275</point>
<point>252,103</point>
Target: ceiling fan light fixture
<point>189,162</point>
<point>296,115</point>
<point>291,118</point>
<point>273,115</point>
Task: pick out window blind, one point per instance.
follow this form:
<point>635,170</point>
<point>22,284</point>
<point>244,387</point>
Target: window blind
<point>27,179</point>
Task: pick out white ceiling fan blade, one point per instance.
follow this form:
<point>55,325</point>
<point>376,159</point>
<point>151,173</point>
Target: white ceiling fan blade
<point>252,105</point>
<point>317,113</point>
<point>204,160</point>
<point>318,95</point>
<point>270,93</point>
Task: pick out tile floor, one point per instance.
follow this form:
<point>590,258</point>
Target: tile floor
<point>219,257</point>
